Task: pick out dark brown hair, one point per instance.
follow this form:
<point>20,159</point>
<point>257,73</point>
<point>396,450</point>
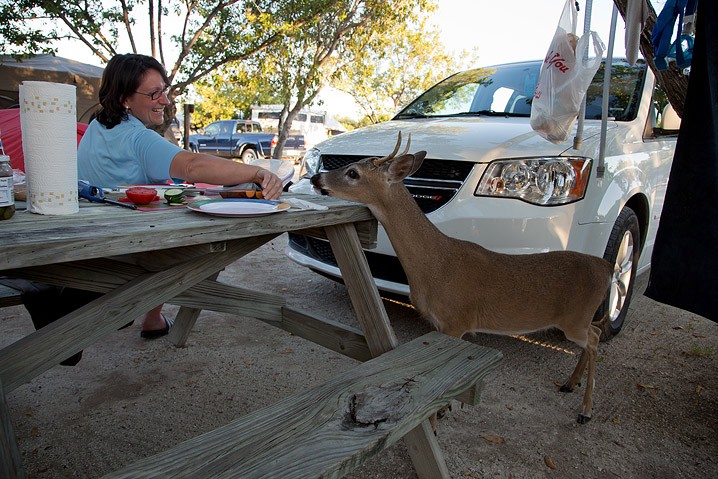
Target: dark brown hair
<point>121,78</point>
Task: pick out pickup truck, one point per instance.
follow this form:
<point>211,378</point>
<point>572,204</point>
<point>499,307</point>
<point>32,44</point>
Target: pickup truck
<point>241,139</point>
<point>490,179</point>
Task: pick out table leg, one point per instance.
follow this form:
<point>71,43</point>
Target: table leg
<point>184,322</point>
<point>10,462</point>
<point>362,290</point>
<point>423,446</point>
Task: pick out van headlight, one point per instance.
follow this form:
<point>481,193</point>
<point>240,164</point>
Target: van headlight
<point>541,181</point>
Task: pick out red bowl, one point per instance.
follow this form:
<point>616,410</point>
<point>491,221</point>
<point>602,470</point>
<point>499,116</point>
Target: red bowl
<point>140,195</point>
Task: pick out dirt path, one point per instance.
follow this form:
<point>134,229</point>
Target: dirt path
<point>655,402</point>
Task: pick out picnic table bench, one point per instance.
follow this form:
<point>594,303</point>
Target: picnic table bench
<point>331,429</point>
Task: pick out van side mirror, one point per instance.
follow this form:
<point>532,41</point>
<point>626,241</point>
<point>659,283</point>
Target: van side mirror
<point>670,121</point>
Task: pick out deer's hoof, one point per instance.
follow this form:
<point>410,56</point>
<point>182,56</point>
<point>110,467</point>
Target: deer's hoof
<point>566,388</point>
<point>582,418</point>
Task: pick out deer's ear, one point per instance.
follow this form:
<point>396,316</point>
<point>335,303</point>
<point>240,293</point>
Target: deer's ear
<point>400,168</point>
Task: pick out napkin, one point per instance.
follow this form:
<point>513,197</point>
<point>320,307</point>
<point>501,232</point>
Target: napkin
<point>48,121</point>
<point>304,204</point>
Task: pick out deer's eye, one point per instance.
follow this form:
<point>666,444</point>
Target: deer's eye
<point>352,174</point>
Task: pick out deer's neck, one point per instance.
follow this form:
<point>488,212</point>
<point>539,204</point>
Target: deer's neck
<point>409,230</point>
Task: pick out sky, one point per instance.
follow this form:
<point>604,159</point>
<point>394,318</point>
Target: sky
<point>514,30</point>
<point>503,31</point>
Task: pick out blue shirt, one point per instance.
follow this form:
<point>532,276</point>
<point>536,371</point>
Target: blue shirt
<point>129,153</point>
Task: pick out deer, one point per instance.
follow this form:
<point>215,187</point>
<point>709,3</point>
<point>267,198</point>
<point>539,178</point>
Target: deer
<point>461,287</point>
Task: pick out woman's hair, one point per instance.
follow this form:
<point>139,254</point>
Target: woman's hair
<point>121,78</point>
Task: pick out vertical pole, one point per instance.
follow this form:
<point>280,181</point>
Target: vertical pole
<point>607,68</point>
<point>578,139</point>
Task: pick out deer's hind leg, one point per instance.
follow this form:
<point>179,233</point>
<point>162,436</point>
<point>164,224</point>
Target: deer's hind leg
<point>575,378</point>
<point>588,358</point>
<point>592,350</point>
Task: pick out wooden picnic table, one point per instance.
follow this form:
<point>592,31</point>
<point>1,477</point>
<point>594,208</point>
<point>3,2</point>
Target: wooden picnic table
<point>142,259</point>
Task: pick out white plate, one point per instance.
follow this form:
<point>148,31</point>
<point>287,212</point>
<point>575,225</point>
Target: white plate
<point>238,207</point>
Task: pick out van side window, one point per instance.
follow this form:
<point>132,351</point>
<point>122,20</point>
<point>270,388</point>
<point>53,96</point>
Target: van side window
<point>665,121</point>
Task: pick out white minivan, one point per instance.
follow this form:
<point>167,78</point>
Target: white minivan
<point>490,179</point>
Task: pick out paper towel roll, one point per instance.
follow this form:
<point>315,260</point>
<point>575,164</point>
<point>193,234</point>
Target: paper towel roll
<point>49,142</point>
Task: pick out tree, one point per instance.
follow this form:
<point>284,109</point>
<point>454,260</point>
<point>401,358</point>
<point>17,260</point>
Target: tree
<point>210,33</point>
<point>230,92</point>
<point>299,67</point>
<point>673,81</point>
<point>394,69</point>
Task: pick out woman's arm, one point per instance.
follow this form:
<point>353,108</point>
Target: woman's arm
<point>203,168</point>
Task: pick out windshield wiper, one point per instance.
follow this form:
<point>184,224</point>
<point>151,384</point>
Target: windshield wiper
<point>406,116</point>
<point>489,113</point>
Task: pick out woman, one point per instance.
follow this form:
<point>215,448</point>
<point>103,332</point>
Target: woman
<point>118,148</point>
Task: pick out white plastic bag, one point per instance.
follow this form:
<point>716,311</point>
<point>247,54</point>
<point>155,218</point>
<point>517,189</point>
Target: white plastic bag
<point>565,76</point>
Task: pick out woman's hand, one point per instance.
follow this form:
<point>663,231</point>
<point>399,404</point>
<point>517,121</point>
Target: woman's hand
<point>270,183</point>
<point>203,168</point>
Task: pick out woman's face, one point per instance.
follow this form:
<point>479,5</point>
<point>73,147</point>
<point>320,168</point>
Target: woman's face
<point>141,105</point>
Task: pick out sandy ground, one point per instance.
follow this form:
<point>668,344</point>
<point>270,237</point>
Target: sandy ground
<point>655,402</point>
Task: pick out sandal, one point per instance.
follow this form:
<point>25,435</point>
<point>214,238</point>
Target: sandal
<point>158,333</point>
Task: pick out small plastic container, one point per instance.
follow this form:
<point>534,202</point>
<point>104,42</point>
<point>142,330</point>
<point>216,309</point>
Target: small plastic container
<point>7,192</point>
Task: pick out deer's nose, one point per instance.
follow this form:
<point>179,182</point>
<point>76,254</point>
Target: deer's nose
<point>317,183</point>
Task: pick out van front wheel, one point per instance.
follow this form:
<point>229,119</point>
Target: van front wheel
<point>622,251</point>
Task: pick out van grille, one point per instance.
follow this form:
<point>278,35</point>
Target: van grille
<point>382,266</point>
<point>434,185</point>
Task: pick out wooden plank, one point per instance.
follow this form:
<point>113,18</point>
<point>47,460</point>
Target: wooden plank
<point>424,450</point>
<point>10,461</point>
<point>471,396</point>
<point>185,320</point>
<point>366,231</point>
<point>105,275</point>
<point>362,290</point>
<point>102,232</point>
<point>98,275</point>
<point>9,296</point>
<point>159,260</point>
<point>331,429</point>
<point>44,348</point>
<point>333,335</point>
<point>225,298</point>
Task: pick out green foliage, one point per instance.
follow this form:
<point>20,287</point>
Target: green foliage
<point>229,92</point>
<point>297,68</point>
<point>243,52</point>
<point>392,69</point>
<point>212,33</point>
<point>353,124</point>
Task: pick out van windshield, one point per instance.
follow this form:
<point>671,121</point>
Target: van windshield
<point>507,90</point>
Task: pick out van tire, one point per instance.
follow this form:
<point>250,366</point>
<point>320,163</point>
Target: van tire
<point>622,251</point>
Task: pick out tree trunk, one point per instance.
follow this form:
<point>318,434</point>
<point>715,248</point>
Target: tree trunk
<point>672,80</point>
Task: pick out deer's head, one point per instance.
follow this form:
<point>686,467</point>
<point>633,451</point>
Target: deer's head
<point>365,180</point>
